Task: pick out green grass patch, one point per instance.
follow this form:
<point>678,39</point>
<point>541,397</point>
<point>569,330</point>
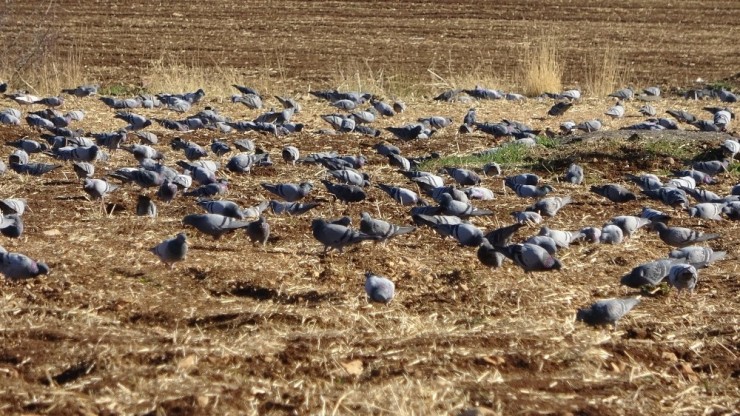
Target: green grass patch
<point>668,148</point>
<point>548,143</point>
<point>509,154</point>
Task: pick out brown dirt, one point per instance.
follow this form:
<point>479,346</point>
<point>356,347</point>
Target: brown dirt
<point>313,41</point>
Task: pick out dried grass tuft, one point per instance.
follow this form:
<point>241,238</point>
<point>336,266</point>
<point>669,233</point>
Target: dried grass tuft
<point>542,69</point>
<point>604,73</point>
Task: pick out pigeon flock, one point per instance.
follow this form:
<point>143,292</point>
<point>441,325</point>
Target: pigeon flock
<point>443,200</point>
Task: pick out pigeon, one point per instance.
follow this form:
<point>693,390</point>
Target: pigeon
<point>550,206</point>
<point>399,161</point>
<point>335,236</point>
<point>623,94</point>
<point>611,234</point>
<point>628,223</point>
<point>530,257</point>
<point>545,242</point>
<point>561,238</point>
<point>458,208</point>
<point>382,229</point>
<point>501,237</point>
<point>223,207</point>
<point>214,225</point>
<point>707,211</point>
<point>574,174</point>
<point>350,176</point>
<point>16,266</point>
<point>13,206</point>
<point>206,191</point>
<point>617,111</point>
<point>527,217</point>
<point>219,148</point>
<point>731,148</point>
<point>591,234</point>
<point>682,116</point>
<point>670,196</point>
<point>648,274</point>
<point>402,195</point>
<point>97,188</point>
<point>646,182</point>
<point>82,90</point>
<point>345,193</point>
<point>531,191</point>
<point>290,154</point>
<point>589,126</point>
<point>479,193</point>
<point>11,226</point>
<point>679,236</point>
<point>466,234</point>
<point>432,220</point>
<point>559,108</point>
<point>258,231</point>
<point>712,167</point>
<point>168,190</point>
<point>488,255</point>
<point>492,168</point>
<point>732,210</point>
<point>172,250</point>
<point>33,169</point>
<point>142,177</point>
<point>683,277</point>
<point>613,192</point>
<point>289,191</point>
<point>697,255</point>
<point>379,289</point>
<point>648,110</point>
<point>697,176</point>
<point>385,149</point>
<point>244,162</point>
<point>606,312</point>
<point>522,179</point>
<point>291,208</point>
<point>145,207</point>
<point>136,122</point>
<point>29,146</point>
<point>464,177</point>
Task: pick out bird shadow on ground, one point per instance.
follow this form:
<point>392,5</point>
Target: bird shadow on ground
<point>215,248</point>
<point>59,183</point>
<point>256,292</point>
<point>71,198</point>
<point>129,273</point>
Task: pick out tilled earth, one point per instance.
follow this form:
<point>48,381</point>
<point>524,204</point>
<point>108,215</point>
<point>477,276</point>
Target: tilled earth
<point>657,42</point>
<point>283,329</point>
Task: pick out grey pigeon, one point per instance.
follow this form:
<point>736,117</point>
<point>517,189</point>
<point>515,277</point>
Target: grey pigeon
<point>522,179</point>
<point>214,225</point>
<point>648,110</point>
<point>435,122</point>
<point>255,211</point>
<point>611,234</point>
<point>380,228</point>
<point>531,191</point>
<point>11,226</point>
<point>732,210</point>
<point>617,111</point>
<point>142,177</point>
<point>385,149</point>
<point>97,188</point>
<point>574,174</point>
<point>399,161</point>
<point>646,182</point>
<point>222,207</point>
<point>682,116</point>
<point>379,289</point>
<point>466,234</point>
<point>670,196</point>
<point>458,208</point>
<point>244,162</point>
<point>591,234</point>
<point>606,312</point>
<point>33,169</point>
<point>432,220</point>
<point>589,126</point>
<point>479,193</point>
<point>350,176</point>
<point>648,274</point>
<point>402,195</point>
<point>707,211</point>
<point>530,257</point>
<point>168,190</point>
<point>559,108</point>
<point>290,154</point>
<point>623,94</point>
<point>82,90</point>
<point>527,217</point>
<point>501,237</point>
<point>683,277</point>
<point>219,148</point>
<point>145,207</point>
<point>258,231</point>
<point>172,250</point>
<point>289,191</point>
<point>493,168</point>
<point>335,236</point>
<point>613,192</point>
<point>545,242</point>
<point>628,223</point>
<point>16,266</point>
<point>712,167</point>
<point>488,255</point>
<point>697,255</point>
<point>679,236</point>
<point>83,169</point>
<point>550,206</point>
<point>561,238</point>
<point>13,206</point>
<point>291,208</point>
<point>206,191</point>
<point>464,177</point>
<point>345,193</point>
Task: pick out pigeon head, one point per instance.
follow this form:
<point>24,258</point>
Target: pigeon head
<point>182,237</point>
<point>42,268</point>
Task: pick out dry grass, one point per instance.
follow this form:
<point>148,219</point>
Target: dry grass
<point>604,72</point>
<point>541,68</point>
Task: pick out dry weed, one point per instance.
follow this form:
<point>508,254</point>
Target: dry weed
<point>542,70</point>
